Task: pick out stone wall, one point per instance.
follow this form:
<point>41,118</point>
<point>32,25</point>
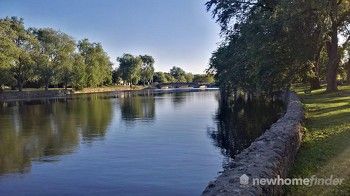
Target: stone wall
<point>269,156</point>
<point>25,95</point>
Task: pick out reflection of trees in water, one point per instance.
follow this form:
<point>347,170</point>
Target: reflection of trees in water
<point>241,121</point>
<point>178,99</point>
<point>93,117</point>
<point>137,108</point>
<point>37,131</point>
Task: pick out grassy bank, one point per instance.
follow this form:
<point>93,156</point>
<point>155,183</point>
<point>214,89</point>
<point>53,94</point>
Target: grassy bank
<point>325,149</point>
<point>33,94</point>
<point>87,90</point>
<point>108,89</point>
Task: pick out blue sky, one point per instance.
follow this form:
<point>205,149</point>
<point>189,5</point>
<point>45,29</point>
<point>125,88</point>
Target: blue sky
<point>175,32</point>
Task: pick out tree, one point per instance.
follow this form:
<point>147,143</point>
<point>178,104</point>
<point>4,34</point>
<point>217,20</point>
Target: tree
<point>337,12</point>
<point>204,78</point>
<point>98,66</point>
<point>79,75</point>
<point>178,73</point>
<point>116,76</point>
<point>159,77</point>
<point>169,78</point>
<point>262,50</point>
<point>130,68</point>
<point>189,77</point>
<point>24,46</point>
<point>8,52</point>
<point>55,60</point>
<point>147,69</point>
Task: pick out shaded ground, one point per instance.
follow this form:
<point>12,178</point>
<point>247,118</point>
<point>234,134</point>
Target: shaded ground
<point>325,150</point>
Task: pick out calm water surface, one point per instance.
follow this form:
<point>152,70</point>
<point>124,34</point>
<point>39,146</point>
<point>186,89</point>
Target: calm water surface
<point>165,144</point>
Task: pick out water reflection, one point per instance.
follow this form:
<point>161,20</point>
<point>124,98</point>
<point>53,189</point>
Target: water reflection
<point>137,108</point>
<point>169,153</point>
<point>178,99</point>
<point>40,130</point>
<point>241,121</point>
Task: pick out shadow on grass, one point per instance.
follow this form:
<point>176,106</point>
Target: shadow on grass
<point>331,109</point>
<point>326,142</point>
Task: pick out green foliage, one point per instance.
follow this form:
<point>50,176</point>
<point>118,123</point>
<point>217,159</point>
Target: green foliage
<point>116,76</point>
<point>79,75</point>
<point>147,69</point>
<point>169,77</point>
<point>160,77</point>
<point>8,51</point>
<point>49,57</point>
<point>45,57</point>
<point>178,73</point>
<point>22,47</point>
<point>130,68</point>
<point>98,66</point>
<point>54,60</point>
<point>204,78</point>
<point>189,77</point>
<point>271,44</point>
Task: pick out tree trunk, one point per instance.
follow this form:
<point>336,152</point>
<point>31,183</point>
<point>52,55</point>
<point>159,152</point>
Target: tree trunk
<point>332,49</point>
<point>333,60</point>
<point>46,86</point>
<point>315,83</point>
<point>20,85</point>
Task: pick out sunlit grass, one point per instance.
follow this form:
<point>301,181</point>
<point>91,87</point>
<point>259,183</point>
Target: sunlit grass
<point>325,149</point>
<point>109,89</point>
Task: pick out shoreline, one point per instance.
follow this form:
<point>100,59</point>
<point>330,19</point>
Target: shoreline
<point>32,95</point>
<point>271,155</point>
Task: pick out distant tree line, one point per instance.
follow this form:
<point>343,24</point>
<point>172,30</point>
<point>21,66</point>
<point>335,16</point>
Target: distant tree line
<point>135,70</point>
<point>269,45</point>
<point>44,57</point>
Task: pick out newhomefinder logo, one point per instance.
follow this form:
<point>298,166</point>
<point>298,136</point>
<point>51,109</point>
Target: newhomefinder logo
<point>312,181</point>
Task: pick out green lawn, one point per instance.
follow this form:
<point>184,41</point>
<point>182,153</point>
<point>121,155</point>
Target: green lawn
<point>325,149</point>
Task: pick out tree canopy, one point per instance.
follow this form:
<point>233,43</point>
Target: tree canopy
<point>268,45</point>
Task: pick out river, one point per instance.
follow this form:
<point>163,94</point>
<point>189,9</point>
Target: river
<point>153,144</point>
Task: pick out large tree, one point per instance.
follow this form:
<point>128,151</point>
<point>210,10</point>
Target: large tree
<point>79,75</point>
<point>23,46</point>
<point>159,77</point>
<point>130,68</point>
<point>8,52</point>
<point>98,66</point>
<point>337,15</point>
<point>178,73</point>
<point>270,44</point>
<point>147,69</point>
<point>55,60</point>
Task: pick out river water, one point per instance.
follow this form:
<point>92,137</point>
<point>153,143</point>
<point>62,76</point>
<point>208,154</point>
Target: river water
<point>154,144</point>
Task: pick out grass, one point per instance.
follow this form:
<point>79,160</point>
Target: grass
<point>109,89</point>
<point>325,149</point>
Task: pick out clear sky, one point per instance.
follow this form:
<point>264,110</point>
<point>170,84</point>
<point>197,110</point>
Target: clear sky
<point>175,32</point>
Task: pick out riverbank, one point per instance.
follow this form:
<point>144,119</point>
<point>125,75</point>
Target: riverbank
<point>111,91</point>
<point>325,149</point>
<point>106,89</point>
<point>269,157</point>
<point>32,94</point>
